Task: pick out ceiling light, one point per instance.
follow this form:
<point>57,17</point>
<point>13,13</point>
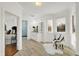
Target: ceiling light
<point>39,4</point>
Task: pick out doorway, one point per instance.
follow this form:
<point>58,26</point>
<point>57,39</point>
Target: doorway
<point>24,29</point>
<point>10,34</point>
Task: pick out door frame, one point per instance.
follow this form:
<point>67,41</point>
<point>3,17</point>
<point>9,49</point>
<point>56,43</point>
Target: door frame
<point>19,43</point>
<point>26,26</point>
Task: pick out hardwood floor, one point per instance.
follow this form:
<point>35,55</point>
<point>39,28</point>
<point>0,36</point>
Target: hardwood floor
<point>34,48</point>
<point>31,48</point>
<point>10,49</point>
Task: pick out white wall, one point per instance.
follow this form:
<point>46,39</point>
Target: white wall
<point>66,15</point>
<point>54,17</point>
<point>77,27</point>
<point>33,21</point>
<point>12,7</point>
<point>15,9</point>
<point>48,37</point>
<point>10,20</point>
<point>1,34</point>
<point>73,34</point>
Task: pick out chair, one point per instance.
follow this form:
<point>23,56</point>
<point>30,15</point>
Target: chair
<point>58,43</point>
<point>13,38</point>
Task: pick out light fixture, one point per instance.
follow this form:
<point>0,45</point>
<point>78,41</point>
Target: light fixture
<point>38,4</point>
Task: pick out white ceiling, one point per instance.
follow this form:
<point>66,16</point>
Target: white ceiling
<point>47,7</point>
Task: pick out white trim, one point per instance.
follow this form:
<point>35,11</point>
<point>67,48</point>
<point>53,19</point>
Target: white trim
<point>19,44</point>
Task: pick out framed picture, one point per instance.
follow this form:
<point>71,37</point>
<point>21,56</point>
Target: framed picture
<point>50,25</point>
<point>73,24</point>
<point>5,27</point>
<point>35,29</point>
<point>60,25</point>
<point>61,28</point>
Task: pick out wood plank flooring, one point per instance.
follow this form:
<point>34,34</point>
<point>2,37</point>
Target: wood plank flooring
<point>31,48</point>
<point>10,49</point>
<point>34,48</point>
